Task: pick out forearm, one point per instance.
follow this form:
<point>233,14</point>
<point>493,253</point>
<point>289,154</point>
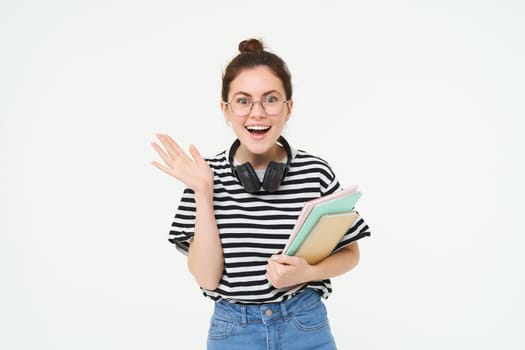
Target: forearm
<point>336,264</point>
<point>285,271</point>
<point>205,256</point>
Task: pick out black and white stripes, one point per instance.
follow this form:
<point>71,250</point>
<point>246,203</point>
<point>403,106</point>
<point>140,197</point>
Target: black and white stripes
<point>253,227</point>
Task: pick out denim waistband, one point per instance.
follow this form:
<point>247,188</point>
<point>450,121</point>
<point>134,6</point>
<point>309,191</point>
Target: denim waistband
<point>264,313</point>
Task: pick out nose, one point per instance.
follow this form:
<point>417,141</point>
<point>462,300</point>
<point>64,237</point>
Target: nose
<point>257,109</point>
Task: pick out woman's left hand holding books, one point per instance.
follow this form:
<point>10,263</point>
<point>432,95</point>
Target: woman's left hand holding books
<point>286,271</point>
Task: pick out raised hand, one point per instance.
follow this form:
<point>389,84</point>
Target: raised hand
<point>194,173</point>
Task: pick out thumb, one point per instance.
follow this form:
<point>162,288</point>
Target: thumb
<point>283,259</point>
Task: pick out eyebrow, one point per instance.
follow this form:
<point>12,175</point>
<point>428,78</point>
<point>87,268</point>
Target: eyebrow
<point>249,95</point>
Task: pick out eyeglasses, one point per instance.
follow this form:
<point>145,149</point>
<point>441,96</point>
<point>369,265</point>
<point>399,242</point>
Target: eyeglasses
<point>271,105</point>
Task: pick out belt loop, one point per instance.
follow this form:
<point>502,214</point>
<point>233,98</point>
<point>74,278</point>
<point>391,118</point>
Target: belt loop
<point>284,312</point>
<point>244,319</point>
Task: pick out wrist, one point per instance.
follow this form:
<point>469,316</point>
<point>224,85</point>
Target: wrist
<point>313,273</point>
<point>204,194</point>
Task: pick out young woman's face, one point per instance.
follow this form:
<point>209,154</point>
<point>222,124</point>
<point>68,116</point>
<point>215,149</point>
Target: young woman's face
<point>256,126</point>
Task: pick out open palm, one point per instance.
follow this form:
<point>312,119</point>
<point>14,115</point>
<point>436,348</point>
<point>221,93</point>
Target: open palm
<point>192,171</point>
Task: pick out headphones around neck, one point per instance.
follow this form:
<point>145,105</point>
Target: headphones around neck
<point>273,176</point>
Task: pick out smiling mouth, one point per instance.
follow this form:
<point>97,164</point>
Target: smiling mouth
<point>258,129</point>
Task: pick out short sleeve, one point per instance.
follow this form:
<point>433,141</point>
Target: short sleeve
<point>358,230</point>
<point>183,225</point>
<point>328,181</point>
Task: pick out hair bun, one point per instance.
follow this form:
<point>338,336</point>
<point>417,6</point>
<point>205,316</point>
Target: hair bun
<point>251,45</point>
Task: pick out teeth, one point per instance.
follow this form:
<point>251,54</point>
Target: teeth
<point>257,127</point>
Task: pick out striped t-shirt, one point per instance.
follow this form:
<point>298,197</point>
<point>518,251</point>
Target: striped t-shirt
<point>254,226</point>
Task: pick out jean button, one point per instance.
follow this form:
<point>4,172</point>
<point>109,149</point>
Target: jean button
<point>269,313</point>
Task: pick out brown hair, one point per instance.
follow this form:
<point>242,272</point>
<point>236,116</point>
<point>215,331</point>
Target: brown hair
<point>252,54</point>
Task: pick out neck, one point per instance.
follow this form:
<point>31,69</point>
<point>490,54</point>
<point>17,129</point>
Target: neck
<point>260,161</point>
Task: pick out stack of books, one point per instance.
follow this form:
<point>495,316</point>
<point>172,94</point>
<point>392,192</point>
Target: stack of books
<point>321,225</point>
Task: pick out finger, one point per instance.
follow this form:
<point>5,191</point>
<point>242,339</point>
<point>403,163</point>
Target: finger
<point>165,143</point>
<point>165,157</point>
<point>269,278</point>
<point>269,267</point>
<point>284,259</point>
<point>170,145</point>
<point>175,146</point>
<point>161,167</point>
<point>195,153</point>
<point>270,270</point>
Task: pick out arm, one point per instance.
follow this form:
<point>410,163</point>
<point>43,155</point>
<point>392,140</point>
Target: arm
<point>205,256</point>
<point>285,271</point>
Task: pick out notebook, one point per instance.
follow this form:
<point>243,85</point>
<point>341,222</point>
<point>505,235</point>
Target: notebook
<point>325,235</point>
<point>337,202</point>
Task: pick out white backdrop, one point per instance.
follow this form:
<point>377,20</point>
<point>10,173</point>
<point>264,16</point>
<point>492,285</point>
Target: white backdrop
<point>421,103</point>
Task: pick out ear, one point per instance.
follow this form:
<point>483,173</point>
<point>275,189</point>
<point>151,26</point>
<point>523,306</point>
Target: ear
<point>288,109</point>
<point>225,111</point>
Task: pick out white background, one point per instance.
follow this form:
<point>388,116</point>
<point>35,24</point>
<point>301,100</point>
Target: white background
<point>421,103</point>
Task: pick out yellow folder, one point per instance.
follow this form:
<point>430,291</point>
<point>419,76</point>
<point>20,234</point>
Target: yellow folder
<point>325,235</point>
<point>337,202</point>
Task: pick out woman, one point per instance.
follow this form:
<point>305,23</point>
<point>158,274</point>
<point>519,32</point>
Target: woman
<point>239,208</point>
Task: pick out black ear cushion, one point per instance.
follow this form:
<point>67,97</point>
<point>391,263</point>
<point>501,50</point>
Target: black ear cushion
<point>248,177</point>
<point>273,176</point>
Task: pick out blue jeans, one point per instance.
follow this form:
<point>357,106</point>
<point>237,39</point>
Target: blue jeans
<point>299,323</point>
